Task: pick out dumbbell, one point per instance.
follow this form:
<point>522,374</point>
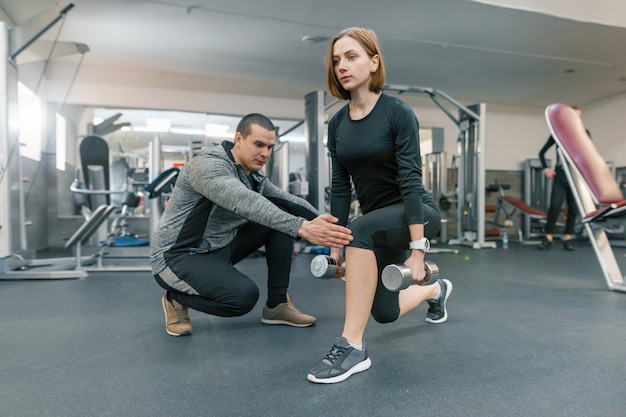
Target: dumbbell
<point>397,277</point>
<point>323,266</point>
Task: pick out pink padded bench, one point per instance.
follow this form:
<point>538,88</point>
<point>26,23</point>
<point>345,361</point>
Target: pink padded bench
<point>524,207</point>
<point>598,196</point>
<point>514,205</point>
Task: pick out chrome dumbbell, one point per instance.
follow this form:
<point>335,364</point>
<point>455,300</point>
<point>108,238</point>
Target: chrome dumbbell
<point>323,266</point>
<point>397,277</point>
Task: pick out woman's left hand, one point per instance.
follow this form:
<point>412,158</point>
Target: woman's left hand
<point>415,262</point>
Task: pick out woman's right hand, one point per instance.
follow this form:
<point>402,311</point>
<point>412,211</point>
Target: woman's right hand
<point>549,172</point>
<point>337,255</point>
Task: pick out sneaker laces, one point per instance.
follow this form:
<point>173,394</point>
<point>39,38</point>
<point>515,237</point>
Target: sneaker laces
<point>435,308</point>
<point>292,308</point>
<point>433,303</point>
<point>182,313</point>
<point>289,305</point>
<point>334,354</point>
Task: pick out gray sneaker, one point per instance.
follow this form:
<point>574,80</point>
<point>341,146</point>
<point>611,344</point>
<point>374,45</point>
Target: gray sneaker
<point>340,363</point>
<point>437,312</point>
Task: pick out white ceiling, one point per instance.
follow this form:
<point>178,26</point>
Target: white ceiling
<point>473,51</point>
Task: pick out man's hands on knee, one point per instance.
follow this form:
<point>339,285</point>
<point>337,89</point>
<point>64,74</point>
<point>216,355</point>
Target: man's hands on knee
<point>323,231</point>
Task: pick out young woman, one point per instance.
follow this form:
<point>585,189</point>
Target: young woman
<point>560,191</point>
<point>374,141</point>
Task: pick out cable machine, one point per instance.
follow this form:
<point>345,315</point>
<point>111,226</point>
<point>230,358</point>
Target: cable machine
<point>14,254</point>
<point>536,194</point>
<point>470,179</point>
<point>470,172</point>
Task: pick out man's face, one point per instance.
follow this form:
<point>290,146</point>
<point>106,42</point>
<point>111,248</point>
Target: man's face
<point>253,151</point>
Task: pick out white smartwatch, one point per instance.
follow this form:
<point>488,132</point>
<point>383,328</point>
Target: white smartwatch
<point>423,244</point>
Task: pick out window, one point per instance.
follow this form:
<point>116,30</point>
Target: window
<point>61,141</point>
<point>30,118</point>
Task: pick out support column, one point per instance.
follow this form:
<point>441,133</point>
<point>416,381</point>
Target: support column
<point>315,151</point>
<point>12,228</point>
<point>154,150</point>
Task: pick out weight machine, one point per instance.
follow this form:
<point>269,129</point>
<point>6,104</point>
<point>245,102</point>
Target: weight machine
<point>470,171</point>
<point>16,260</point>
<point>537,195</point>
<point>470,176</point>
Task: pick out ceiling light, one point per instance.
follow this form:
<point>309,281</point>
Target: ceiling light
<point>158,125</point>
<point>187,131</point>
<point>312,40</point>
<point>214,129</point>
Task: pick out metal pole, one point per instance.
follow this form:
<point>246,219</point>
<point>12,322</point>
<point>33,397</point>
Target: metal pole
<point>154,150</point>
<point>5,146</point>
<point>315,152</point>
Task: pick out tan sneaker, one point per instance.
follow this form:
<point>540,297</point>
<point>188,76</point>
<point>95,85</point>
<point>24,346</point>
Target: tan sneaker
<point>176,318</point>
<point>287,313</point>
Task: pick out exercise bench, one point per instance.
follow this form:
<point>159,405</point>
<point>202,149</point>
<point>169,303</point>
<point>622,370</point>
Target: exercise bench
<point>598,196</point>
<point>161,185</point>
<point>509,206</point>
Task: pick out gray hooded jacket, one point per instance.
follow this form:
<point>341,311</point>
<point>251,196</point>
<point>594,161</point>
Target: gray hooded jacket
<point>213,197</point>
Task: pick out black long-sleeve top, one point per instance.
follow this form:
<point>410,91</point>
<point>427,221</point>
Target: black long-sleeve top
<point>550,143</point>
<point>381,154</point>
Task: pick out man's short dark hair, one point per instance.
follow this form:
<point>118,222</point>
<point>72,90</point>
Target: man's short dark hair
<point>245,125</point>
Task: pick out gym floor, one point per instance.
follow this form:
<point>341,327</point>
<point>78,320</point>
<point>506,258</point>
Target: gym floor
<point>529,333</point>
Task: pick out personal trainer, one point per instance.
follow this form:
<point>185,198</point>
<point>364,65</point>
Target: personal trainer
<point>223,209</point>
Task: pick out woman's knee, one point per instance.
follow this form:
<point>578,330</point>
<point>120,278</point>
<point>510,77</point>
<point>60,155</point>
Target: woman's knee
<point>385,316</point>
<point>363,235</point>
<point>386,306</point>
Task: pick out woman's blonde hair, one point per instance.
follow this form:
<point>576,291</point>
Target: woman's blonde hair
<point>369,41</point>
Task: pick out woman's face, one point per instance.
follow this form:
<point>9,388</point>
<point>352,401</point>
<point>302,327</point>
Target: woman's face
<point>352,65</point>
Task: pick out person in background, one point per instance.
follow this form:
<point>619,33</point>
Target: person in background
<point>560,191</point>
<point>374,141</point>
<point>223,209</point>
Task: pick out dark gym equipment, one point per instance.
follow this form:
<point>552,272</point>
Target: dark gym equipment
<point>94,156</point>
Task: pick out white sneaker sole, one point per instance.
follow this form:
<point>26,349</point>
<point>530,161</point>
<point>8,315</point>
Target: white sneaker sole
<point>288,323</point>
<point>360,367</point>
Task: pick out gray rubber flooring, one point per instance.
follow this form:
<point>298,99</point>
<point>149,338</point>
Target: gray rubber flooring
<point>529,333</point>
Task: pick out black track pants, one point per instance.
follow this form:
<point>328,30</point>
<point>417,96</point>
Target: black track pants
<point>210,283</point>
